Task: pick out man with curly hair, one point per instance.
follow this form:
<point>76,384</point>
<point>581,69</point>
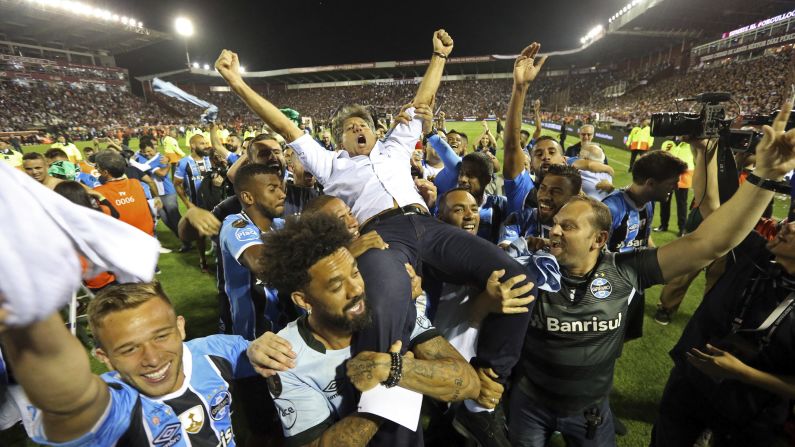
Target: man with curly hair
<point>309,261</point>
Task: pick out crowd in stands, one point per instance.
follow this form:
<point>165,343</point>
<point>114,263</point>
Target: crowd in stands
<point>40,105</point>
<point>362,277</point>
<point>51,105</point>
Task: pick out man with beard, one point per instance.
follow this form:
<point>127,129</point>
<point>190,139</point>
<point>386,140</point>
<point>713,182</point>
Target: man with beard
<point>520,188</point>
<point>374,178</point>
<point>160,390</point>
<point>190,171</point>
<point>188,177</point>
<point>228,148</point>
<point>316,401</point>
<point>560,184</point>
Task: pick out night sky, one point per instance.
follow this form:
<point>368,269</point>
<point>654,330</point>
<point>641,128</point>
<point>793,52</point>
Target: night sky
<point>271,35</point>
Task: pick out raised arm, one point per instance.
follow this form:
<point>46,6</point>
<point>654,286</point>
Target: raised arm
<point>525,69</point>
<point>730,223</point>
<point>53,369</point>
<point>537,116</point>
<point>442,46</point>
<point>228,66</point>
<point>705,178</point>
<point>216,142</point>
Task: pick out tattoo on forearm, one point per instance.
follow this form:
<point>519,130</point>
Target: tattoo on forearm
<point>354,430</point>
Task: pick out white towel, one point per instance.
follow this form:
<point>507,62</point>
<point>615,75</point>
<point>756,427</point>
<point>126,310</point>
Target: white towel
<point>42,235</point>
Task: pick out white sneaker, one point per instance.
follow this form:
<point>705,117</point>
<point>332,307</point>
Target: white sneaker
<point>164,250</point>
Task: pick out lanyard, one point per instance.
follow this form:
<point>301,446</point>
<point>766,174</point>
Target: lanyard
<point>773,320</point>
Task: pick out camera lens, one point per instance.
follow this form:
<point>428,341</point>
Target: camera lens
<point>670,124</point>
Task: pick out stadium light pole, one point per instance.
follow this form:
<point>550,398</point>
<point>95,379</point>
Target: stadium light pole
<point>184,28</point>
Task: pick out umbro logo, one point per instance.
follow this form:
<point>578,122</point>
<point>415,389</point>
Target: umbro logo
<point>331,387</point>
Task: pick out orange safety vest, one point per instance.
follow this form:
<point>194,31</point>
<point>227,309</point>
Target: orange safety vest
<point>129,199</point>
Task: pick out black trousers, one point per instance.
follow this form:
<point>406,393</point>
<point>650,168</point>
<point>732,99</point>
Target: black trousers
<point>453,256</point>
<point>686,411</point>
<point>680,194</point>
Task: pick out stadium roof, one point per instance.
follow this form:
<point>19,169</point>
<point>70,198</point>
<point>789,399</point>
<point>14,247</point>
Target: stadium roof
<point>652,25</point>
<point>40,24</point>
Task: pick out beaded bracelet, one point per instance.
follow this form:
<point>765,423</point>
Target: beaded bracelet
<point>395,371</point>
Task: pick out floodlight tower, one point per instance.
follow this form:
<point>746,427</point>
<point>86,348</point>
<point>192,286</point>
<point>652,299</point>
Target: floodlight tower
<point>184,28</point>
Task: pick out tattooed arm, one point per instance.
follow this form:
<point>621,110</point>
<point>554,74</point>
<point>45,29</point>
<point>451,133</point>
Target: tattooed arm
<point>433,368</point>
<point>354,430</point>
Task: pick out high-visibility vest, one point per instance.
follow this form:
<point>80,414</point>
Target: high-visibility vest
<point>71,150</point>
<point>643,140</point>
<point>631,138</point>
<point>129,199</point>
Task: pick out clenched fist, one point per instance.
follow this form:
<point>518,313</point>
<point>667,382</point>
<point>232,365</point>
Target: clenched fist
<point>442,42</point>
<point>228,65</point>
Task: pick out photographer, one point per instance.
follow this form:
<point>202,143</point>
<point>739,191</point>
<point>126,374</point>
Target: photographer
<point>734,366</point>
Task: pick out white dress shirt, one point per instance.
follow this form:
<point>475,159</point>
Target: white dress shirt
<point>367,184</point>
<point>589,181</point>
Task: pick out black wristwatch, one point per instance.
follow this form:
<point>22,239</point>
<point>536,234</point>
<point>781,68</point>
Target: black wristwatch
<point>432,132</point>
<point>764,183</point>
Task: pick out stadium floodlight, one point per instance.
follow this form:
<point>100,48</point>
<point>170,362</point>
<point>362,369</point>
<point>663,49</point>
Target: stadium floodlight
<point>242,69</point>
<point>124,20</point>
<point>183,26</point>
<point>195,65</point>
<point>206,66</point>
<point>115,17</point>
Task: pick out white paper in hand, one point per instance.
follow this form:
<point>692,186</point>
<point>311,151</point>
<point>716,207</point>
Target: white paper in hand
<point>396,404</point>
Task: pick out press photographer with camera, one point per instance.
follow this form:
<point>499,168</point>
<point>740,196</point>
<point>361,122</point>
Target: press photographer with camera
<point>734,366</point>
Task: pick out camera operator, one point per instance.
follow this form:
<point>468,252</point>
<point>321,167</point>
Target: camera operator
<point>734,366</point>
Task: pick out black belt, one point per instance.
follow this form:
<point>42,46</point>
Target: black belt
<point>392,212</point>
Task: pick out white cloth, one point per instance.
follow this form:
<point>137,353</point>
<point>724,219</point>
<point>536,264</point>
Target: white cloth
<point>589,181</point>
<point>367,184</point>
<point>42,237</point>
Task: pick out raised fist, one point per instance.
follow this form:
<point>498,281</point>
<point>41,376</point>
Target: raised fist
<point>228,64</point>
<point>442,42</point>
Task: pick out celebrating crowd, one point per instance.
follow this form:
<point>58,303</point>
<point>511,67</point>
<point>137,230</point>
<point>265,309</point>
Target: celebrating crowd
<point>367,279</point>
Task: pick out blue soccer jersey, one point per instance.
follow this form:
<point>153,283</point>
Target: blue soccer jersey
<point>315,394</point>
<point>238,233</point>
<point>192,173</point>
<point>198,414</point>
<point>523,224</point>
<point>631,225</point>
<point>164,184</point>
